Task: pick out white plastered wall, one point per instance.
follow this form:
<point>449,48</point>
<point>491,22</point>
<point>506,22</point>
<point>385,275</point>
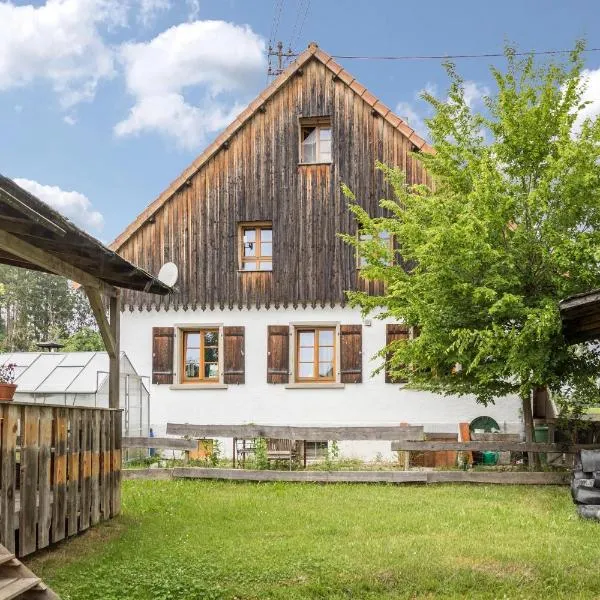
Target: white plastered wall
<point>372,402</point>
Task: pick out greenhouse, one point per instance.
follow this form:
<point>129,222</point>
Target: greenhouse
<point>81,379</point>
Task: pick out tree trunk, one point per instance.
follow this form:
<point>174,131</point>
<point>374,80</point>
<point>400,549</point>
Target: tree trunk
<point>533,459</point>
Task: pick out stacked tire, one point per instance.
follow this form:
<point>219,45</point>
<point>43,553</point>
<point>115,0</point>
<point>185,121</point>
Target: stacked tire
<point>585,485</point>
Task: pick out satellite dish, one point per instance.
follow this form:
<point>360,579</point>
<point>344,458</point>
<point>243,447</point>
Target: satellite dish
<point>168,274</point>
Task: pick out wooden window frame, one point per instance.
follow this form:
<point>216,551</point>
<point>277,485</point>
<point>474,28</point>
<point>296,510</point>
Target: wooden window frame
<point>258,226</point>
<point>316,123</point>
<point>315,328</point>
<point>390,242</point>
<point>201,379</point>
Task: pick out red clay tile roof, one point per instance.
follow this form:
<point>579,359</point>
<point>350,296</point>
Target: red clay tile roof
<point>312,51</point>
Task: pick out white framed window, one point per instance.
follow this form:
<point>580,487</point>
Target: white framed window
<point>315,140</point>
<point>314,353</point>
<point>199,356</point>
<point>256,246</point>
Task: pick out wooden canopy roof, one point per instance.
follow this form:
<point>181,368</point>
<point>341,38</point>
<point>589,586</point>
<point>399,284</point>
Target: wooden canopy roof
<point>34,236</point>
<point>580,316</point>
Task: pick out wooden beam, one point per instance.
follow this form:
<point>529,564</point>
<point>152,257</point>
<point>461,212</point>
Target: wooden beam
<point>392,432</point>
<point>97,307</point>
<point>160,442</point>
<point>114,383</point>
<point>514,478</point>
<point>30,213</point>
<point>499,446</point>
<point>26,251</point>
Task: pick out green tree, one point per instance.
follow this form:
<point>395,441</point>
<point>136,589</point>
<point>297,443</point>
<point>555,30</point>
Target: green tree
<point>84,340</point>
<point>37,306</point>
<point>510,227</point>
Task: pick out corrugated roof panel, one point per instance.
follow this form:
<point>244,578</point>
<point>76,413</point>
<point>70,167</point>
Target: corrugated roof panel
<point>59,379</point>
<point>21,359</point>
<point>76,359</point>
<point>91,376</point>
<point>38,371</point>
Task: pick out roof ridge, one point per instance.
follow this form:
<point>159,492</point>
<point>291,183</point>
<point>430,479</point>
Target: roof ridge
<point>339,72</point>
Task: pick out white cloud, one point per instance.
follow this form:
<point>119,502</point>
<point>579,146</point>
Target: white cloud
<point>194,8</point>
<point>591,94</point>
<point>58,42</point>
<point>72,205</point>
<point>474,93</point>
<point>149,10</point>
<point>416,114</point>
<point>69,120</point>
<point>407,112</point>
<point>214,58</point>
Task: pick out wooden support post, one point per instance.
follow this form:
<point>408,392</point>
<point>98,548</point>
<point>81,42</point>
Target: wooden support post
<point>115,331</point>
<point>104,326</point>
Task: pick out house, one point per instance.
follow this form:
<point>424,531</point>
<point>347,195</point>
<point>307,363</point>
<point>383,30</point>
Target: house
<point>259,330</point>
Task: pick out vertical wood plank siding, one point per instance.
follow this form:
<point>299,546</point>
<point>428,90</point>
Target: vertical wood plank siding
<point>49,485</point>
<point>256,177</point>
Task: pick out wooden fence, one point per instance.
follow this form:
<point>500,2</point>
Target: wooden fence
<point>60,472</point>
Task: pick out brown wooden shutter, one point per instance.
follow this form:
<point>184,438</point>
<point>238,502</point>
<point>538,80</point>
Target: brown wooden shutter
<point>234,359</point>
<point>162,354</point>
<point>351,353</point>
<point>278,354</point>
<point>394,333</point>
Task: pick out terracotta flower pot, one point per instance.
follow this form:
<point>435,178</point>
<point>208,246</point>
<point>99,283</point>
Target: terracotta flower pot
<point>7,391</point>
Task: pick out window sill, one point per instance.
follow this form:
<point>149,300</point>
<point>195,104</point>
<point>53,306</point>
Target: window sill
<point>257,271</point>
<point>199,386</point>
<point>315,164</point>
<point>315,386</point>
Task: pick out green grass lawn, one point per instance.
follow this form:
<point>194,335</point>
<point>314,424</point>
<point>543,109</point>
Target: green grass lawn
<point>185,540</point>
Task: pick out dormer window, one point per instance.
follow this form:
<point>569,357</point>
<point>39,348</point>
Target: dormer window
<point>315,140</point>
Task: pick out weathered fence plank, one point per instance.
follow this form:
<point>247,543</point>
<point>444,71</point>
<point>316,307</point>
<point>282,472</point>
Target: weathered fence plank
<point>10,425</point>
<point>59,478</point>
<point>95,476</point>
<point>159,443</point>
<point>73,471</point>
<point>498,446</point>
<point>487,477</point>
<point>309,434</point>
<point>28,513</point>
<point>116,431</point>
<point>105,462</point>
<point>85,461</point>
<point>307,476</point>
<point>44,477</point>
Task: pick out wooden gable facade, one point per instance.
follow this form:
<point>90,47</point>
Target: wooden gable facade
<point>253,173</point>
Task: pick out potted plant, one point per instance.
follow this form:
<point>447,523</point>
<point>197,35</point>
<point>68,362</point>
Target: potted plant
<point>7,385</point>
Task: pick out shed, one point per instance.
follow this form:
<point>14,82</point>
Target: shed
<point>580,316</point>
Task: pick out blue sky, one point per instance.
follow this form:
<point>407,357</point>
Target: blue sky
<point>104,102</point>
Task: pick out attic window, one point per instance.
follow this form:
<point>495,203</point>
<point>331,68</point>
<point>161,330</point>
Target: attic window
<point>315,140</point>
<point>256,246</point>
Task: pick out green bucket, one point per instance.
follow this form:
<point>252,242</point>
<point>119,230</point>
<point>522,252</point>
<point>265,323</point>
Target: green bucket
<point>489,457</point>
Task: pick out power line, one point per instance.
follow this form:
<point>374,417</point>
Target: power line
<point>295,39</point>
<point>278,7</point>
<point>456,56</point>
<point>299,8</point>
